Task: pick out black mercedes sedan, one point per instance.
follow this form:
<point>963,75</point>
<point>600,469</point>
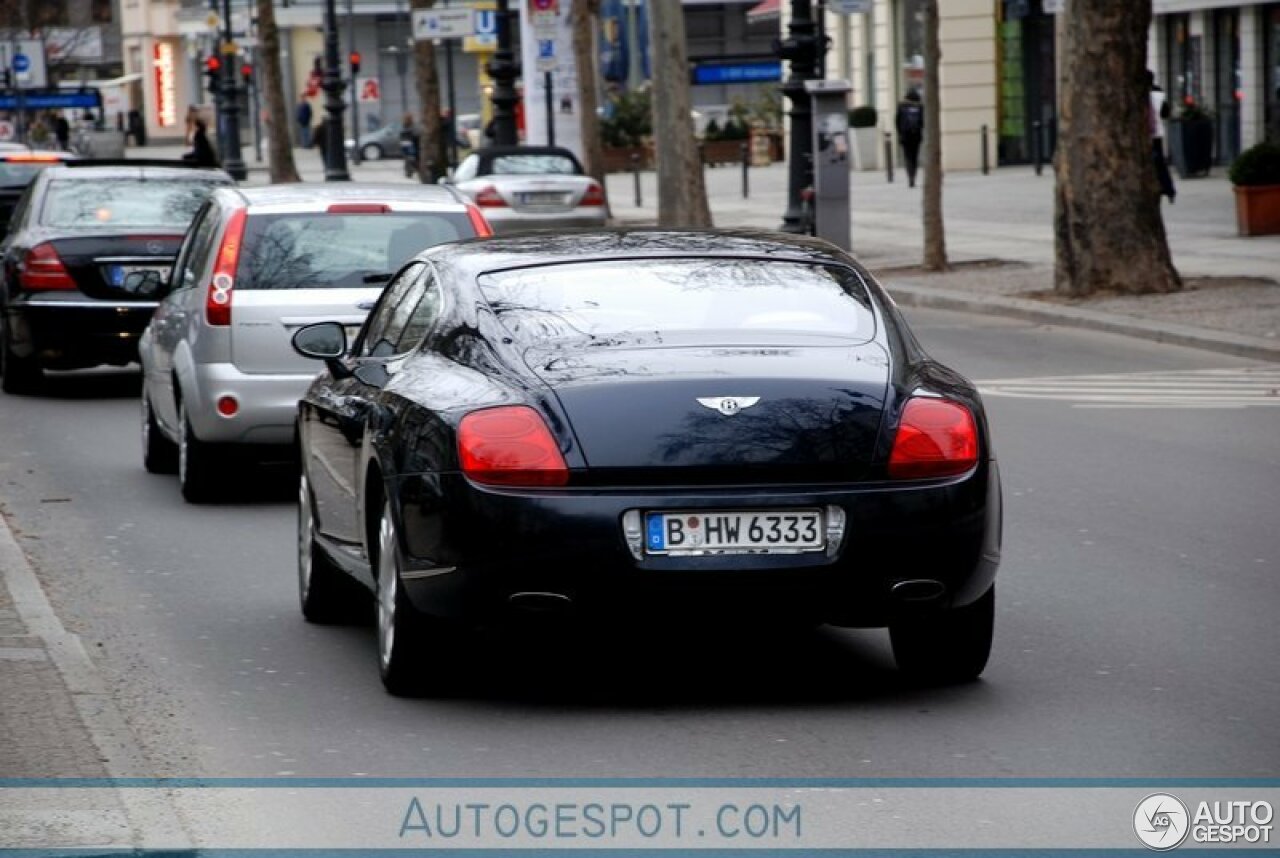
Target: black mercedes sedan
<point>725,425</point>
<point>89,246</point>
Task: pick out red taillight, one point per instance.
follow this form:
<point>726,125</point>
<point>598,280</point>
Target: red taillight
<point>228,406</point>
<point>217,304</point>
<point>478,222</point>
<point>488,197</point>
<point>358,208</point>
<point>42,270</point>
<point>593,197</point>
<point>936,438</point>
<point>510,446</point>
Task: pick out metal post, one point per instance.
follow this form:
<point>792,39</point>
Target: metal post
<point>802,49</point>
<point>633,46</point>
<point>257,112</point>
<point>888,156</point>
<point>335,156</point>
<point>551,116</point>
<point>502,68</point>
<point>229,110</point>
<point>1036,156</point>
<point>453,103</point>
<point>355,90</point>
<point>746,167</point>
<point>635,175</point>
<point>986,160</point>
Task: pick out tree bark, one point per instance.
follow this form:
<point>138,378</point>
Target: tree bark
<point>585,14</point>
<point>682,190</point>
<point>935,238</point>
<point>279,148</point>
<point>431,164</point>
<point>1107,222</point>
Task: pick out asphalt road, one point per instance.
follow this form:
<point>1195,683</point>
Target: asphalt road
<point>1136,629</point>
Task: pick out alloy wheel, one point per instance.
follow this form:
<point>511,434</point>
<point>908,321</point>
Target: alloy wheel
<point>388,589</point>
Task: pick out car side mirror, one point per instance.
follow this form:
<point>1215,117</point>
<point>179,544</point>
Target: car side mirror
<point>146,283</point>
<point>326,341</point>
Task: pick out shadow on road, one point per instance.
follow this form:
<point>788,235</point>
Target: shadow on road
<point>102,383</point>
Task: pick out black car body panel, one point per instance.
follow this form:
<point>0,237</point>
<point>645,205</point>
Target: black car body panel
<point>626,418</point>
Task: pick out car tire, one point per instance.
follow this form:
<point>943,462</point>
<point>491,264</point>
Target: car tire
<point>198,462</point>
<point>371,152</point>
<point>403,632</point>
<point>18,375</point>
<point>950,647</point>
<point>325,593</point>
<point>159,454</point>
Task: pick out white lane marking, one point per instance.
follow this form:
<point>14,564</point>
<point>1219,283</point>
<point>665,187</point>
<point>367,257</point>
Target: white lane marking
<point>1241,387</point>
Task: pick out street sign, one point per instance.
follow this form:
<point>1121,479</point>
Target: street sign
<point>485,38</point>
<point>7,131</point>
<point>443,23</point>
<point>547,61</point>
<point>369,89</point>
<point>850,7</point>
<point>25,59</point>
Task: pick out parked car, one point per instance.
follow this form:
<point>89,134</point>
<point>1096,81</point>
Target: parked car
<point>531,187</point>
<point>219,374</point>
<point>18,169</point>
<point>721,424</point>
<point>87,248</point>
<point>375,145</point>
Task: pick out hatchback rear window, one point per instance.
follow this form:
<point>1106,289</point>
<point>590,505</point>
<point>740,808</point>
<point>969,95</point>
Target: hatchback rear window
<point>339,251</point>
<point>110,203</point>
<point>738,298</point>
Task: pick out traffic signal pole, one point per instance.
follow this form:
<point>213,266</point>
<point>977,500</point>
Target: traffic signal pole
<point>335,156</point>
<point>354,57</point>
<point>228,108</point>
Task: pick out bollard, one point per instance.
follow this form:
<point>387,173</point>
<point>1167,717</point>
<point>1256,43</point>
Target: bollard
<point>986,161</point>
<point>888,156</point>
<point>635,174</point>
<point>746,167</point>
<point>1036,157</point>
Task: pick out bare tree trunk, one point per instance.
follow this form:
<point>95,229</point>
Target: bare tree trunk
<point>1109,230</point>
<point>430,138</point>
<point>935,238</point>
<point>585,14</point>
<point>682,190</point>
<point>279,148</point>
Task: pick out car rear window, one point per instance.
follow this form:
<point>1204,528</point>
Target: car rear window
<point>321,250</point>
<point>737,297</point>
<point>521,165</point>
<point>15,173</point>
<point>110,203</point>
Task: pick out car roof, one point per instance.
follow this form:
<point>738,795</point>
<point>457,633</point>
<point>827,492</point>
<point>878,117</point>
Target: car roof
<point>307,197</point>
<point>477,256</point>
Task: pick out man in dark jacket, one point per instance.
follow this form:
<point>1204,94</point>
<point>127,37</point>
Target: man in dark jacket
<point>910,124</point>
<point>303,117</point>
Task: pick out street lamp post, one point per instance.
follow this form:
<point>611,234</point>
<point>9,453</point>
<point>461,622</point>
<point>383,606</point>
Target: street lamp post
<point>228,108</point>
<point>803,49</point>
<point>502,69</point>
<point>335,158</point>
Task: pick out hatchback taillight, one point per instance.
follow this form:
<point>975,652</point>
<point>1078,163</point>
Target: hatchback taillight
<point>217,304</point>
<point>42,270</point>
<point>936,438</point>
<point>510,446</point>
<point>593,197</point>
<point>488,197</point>
<point>478,223</point>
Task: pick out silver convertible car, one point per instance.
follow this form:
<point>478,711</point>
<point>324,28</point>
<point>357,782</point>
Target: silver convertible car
<point>531,187</point>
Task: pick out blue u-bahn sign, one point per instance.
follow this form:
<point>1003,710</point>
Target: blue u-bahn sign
<point>52,99</point>
<point>756,71</point>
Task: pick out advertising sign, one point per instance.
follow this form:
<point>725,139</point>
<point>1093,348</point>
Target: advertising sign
<point>548,48</point>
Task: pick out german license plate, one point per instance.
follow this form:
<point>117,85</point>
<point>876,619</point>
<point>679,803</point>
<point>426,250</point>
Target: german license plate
<point>116,274</point>
<point>742,531</point>
<point>542,198</point>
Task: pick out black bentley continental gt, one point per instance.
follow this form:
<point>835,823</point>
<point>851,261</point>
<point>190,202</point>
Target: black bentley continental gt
<point>708,424</point>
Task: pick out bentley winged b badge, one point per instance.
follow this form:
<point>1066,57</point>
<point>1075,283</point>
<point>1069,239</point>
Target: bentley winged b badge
<point>728,405</point>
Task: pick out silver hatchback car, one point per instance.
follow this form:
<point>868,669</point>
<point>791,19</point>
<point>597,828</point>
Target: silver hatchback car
<point>219,373</point>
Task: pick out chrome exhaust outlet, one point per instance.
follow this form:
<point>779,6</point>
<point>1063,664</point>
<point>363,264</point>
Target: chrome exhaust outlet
<point>918,590</point>
<point>540,602</point>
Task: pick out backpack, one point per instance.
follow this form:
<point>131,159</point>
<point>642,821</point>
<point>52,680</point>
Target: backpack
<point>910,120</point>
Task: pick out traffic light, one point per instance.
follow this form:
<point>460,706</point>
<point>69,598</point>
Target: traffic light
<point>246,74</point>
<point>355,63</point>
<point>213,73</point>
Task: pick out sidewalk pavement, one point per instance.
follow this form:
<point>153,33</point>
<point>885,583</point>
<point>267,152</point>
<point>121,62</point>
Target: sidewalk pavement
<point>999,233</point>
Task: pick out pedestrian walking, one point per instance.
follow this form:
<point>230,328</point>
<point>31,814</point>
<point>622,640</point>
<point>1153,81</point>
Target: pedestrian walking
<point>1157,111</point>
<point>303,117</point>
<point>910,124</point>
<point>62,132</point>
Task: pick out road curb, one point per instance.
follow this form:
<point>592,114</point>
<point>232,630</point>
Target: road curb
<point>153,820</point>
<point>1223,342</point>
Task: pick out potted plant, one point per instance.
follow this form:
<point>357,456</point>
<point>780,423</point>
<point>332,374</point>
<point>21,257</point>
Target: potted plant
<point>724,145</point>
<point>863,121</point>
<point>1191,138</point>
<point>626,129</point>
<point>1255,176</point>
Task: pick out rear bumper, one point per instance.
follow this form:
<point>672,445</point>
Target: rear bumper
<point>467,550</point>
<point>76,333</point>
<point>268,405</point>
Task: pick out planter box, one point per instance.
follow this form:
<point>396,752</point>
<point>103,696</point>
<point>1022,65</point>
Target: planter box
<point>619,159</point>
<point>1258,209</point>
<point>723,151</point>
<point>1192,145</point>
